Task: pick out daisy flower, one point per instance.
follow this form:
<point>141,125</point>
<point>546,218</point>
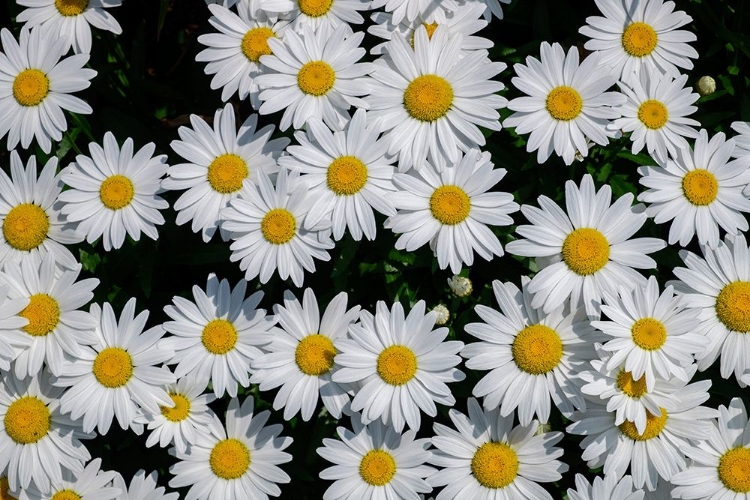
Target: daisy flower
<point>608,488</point>
<point>699,190</point>
<point>91,483</point>
<point>412,9</point>
<point>114,192</point>
<point>566,104</point>
<point>142,487</point>
<point>452,210</point>
<point>489,458</point>
<point>656,114</point>
<point>117,372</point>
<point>586,252</point>
<point>71,19</point>
<point>317,14</point>
<point>637,36</point>
<point>37,442</point>
<point>215,337</point>
<point>347,172</point>
<point>318,76</point>
<point>219,161</point>
<point>532,356</point>
<point>492,7</point>
<point>240,461</point>
<point>266,226</point>
<point>401,364</point>
<point>300,357</point>
<point>32,225</point>
<point>742,139</point>
<point>433,110</point>
<point>13,340</point>
<point>42,85</point>
<point>56,326</point>
<point>375,461</point>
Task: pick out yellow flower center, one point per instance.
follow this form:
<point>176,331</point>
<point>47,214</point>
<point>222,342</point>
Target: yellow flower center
<point>537,349</point>
<point>71,8</point>
<point>377,468</point>
<point>653,114</point>
<point>734,470</point>
<point>278,226</point>
<point>633,388</point>
<point>495,465</point>
<point>229,459</point>
<point>430,27</point>
<point>700,187</point>
<point>397,365</point>
<point>43,313</point>
<point>4,489</point>
<point>219,336</point>
<point>26,226</point>
<point>316,78</point>
<point>450,205</point>
<point>113,367</point>
<point>30,87</point>
<point>314,355</point>
<point>181,409</point>
<point>639,39</point>
<point>226,173</point>
<point>649,333</point>
<point>733,306</point>
<point>66,495</point>
<point>654,426</point>
<point>428,98</point>
<point>255,43</point>
<point>346,175</point>
<point>116,192</point>
<point>27,420</point>
<point>585,251</point>
<point>564,103</point>
<point>315,8</point>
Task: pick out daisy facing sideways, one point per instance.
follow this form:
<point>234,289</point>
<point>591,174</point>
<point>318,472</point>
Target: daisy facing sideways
<point>608,488</point>
<point>142,487</point>
<point>90,483</point>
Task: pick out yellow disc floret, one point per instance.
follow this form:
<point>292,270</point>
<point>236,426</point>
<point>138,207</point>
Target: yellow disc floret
<point>315,8</point>
<point>226,173</point>
<point>43,313</point>
<point>397,365</point>
<point>700,187</point>
<point>639,39</point>
<point>654,426</point>
<point>4,489</point>
<point>116,192</point>
<point>564,103</point>
<point>733,306</point>
<point>734,470</point>
<point>113,367</point>
<point>71,7</point>
<point>450,205</point>
<point>27,420</point>
<point>495,465</point>
<point>219,336</point>
<point>26,226</point>
<point>30,87</point>
<point>316,78</point>
<point>346,175</point>
<point>377,468</point>
<point>255,43</point>
<point>585,251</point>
<point>66,495</point>
<point>649,333</point>
<point>314,355</point>
<point>181,409</point>
<point>278,226</point>
<point>230,459</point>
<point>633,388</point>
<point>428,98</point>
<point>537,349</point>
<point>653,114</point>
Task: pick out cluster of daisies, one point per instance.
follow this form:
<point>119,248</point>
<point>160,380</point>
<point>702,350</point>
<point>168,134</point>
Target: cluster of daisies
<point>402,136</point>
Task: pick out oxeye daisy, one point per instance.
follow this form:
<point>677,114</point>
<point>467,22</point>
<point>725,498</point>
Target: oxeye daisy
<point>347,172</point>
<point>219,161</point>
<point>266,226</point>
<point>300,357</point>
<point>318,76</point>
<point>586,252</point>
<point>742,139</point>
<point>401,364</point>
<point>412,9</point>
<point>699,190</point>
<point>491,7</point>
<point>32,225</point>
<point>609,488</point>
<point>142,487</point>
<point>532,356</point>
<point>375,461</point>
<point>71,19</point>
<point>216,336</point>
<point>240,461</point>
<point>566,104</point>
<point>13,340</point>
<point>656,114</point>
<point>433,110</point>
<point>56,326</point>
<point>37,442</point>
<point>91,483</point>
<point>317,14</point>
<point>640,35</point>
<point>114,192</point>
<point>452,210</point>
<point>117,372</point>
<point>486,457</point>
<point>41,87</point>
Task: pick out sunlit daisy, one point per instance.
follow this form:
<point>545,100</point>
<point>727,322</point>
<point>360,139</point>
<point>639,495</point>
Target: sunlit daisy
<point>91,483</point>
<point>300,358</point>
<point>71,19</point>
<point>401,364</point>
<point>588,251</point>
<point>266,226</point>
<point>375,461</point>
<point>142,487</point>
<point>118,372</point>
<point>114,192</point>
<point>347,172</point>
<point>240,461</point>
<point>566,104</point>
<point>742,139</point>
<point>489,458</point>
<point>608,488</point>
<point>13,339</point>
<point>452,210</point>
<point>640,35</point>
<point>433,111</point>
<point>219,161</point>
<point>32,105</point>
<point>699,190</point>
<point>317,14</point>
<point>32,225</point>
